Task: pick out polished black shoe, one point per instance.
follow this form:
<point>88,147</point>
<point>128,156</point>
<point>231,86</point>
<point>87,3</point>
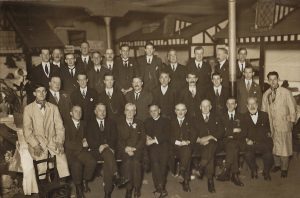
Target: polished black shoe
<point>236,180</point>
<point>107,195</point>
<point>200,170</point>
<point>186,186</point>
<point>137,192</point>
<point>128,193</point>
<point>211,186</point>
<point>267,176</point>
<point>254,174</point>
<point>120,182</point>
<point>79,191</point>
<point>284,173</point>
<point>85,186</point>
<point>224,176</point>
<point>275,169</point>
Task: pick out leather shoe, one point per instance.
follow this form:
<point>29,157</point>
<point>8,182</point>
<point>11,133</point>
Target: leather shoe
<point>254,174</point>
<point>79,191</point>
<point>224,176</point>
<point>267,176</point>
<point>186,186</point>
<point>137,193</point>
<point>128,193</point>
<point>211,186</point>
<point>119,181</point>
<point>275,169</point>
<point>284,173</point>
<point>86,187</point>
<point>107,195</point>
<point>236,180</point>
<point>163,193</point>
<point>200,169</point>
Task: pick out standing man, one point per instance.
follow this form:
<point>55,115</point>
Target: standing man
<point>126,69</point>
<point>42,73</point>
<point>85,97</point>
<point>109,60</point>
<point>102,140</point>
<point>112,98</point>
<point>149,67</point>
<point>223,66</point>
<point>208,126</point>
<point>140,97</point>
<point>59,98</point>
<point>158,134</point>
<point>200,68</point>
<point>280,104</point>
<point>255,124</point>
<point>242,62</point>
<point>132,139</point>
<point>44,131</point>
<point>246,88</point>
<point>69,74</point>
<point>84,60</point>
<point>57,58</point>
<point>96,73</point>
<point>182,139</point>
<point>176,71</point>
<point>81,162</point>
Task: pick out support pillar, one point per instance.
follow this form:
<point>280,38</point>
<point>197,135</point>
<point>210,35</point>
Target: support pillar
<point>107,21</point>
<point>232,46</point>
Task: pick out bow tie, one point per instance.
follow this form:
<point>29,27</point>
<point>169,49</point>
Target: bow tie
<point>42,103</point>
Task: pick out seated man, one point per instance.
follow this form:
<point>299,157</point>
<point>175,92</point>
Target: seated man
<point>209,132</point>
<point>81,162</point>
<point>132,140</point>
<point>255,124</point>
<point>157,130</point>
<point>182,139</point>
<point>232,142</point>
<point>44,131</point>
<point>102,140</point>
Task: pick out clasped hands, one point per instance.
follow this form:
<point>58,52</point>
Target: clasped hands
<point>130,150</point>
<point>151,140</point>
<point>57,148</point>
<point>205,140</point>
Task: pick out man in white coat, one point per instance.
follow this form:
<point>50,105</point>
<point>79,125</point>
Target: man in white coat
<point>44,131</point>
<point>280,104</point>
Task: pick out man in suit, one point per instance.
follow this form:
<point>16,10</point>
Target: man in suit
<point>209,129</point>
<point>176,71</point>
<point>149,67</point>
<point>109,60</point>
<point>256,126</point>
<point>132,139</point>
<point>246,88</point>
<point>96,73</point>
<point>140,97</point>
<point>165,96</point>
<point>112,98</point>
<point>84,60</point>
<point>57,58</point>
<point>126,68</point>
<point>85,97</point>
<point>81,162</point>
<point>218,94</point>
<point>42,73</point>
<point>102,140</point>
<point>158,134</point>
<point>59,98</point>
<point>232,143</point>
<point>200,68</point>
<point>44,131</point>
<point>182,139</point>
<point>223,66</point>
<point>192,95</point>
<point>69,74</point>
<point>241,62</point>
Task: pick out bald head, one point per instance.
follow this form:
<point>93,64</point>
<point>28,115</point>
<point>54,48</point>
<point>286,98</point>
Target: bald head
<point>205,106</point>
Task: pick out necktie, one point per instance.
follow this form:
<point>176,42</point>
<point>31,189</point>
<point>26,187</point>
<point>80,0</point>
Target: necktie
<point>109,94</point>
<point>248,86</point>
<point>199,66</point>
<point>55,97</point>
<point>46,69</point>
<point>72,72</point>
<point>173,67</point>
<point>42,103</point>
<point>231,117</point>
<point>78,125</point>
<point>101,125</point>
<point>85,61</point>
<point>243,67</point>
<point>217,93</point>
<point>83,93</point>
<point>149,61</point>
<point>206,118</point>
<point>125,63</point>
<point>180,122</point>
<point>136,96</point>
<point>193,92</point>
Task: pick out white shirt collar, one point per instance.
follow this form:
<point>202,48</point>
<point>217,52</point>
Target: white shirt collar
<point>83,89</point>
<point>246,81</point>
<point>99,121</point>
<point>222,63</point>
<point>87,57</point>
<point>204,115</point>
<point>198,62</point>
<point>45,63</point>
<point>180,119</point>
<point>156,118</point>
<point>229,113</point>
<point>75,122</point>
<point>218,88</point>
<point>54,92</point>
<point>164,89</point>
<point>129,122</point>
<point>56,63</point>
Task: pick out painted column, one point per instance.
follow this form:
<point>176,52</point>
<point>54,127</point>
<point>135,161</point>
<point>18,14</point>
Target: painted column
<point>107,21</point>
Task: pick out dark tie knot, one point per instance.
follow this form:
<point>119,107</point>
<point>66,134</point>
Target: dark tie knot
<point>42,103</point>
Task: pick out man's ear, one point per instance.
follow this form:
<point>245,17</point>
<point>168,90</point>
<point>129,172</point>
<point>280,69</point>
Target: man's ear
<point>34,93</point>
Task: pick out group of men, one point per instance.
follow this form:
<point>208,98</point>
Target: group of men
<point>136,110</point>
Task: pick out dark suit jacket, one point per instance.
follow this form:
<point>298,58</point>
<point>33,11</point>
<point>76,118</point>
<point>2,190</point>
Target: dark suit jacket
<point>114,68</point>
<point>114,105</point>
<point>87,104</point>
<point>69,83</point>
<point>243,94</point>
<point>224,71</point>
<point>185,132</point>
<point>166,102</point>
<point>158,128</point>
<point>239,73</point>
<point>144,100</point>
<point>177,77</point>
<point>229,125</point>
<point>73,138</point>
<point>64,104</point>
<point>96,79</point>
<point>218,107</point>
<point>131,136</point>
<point>203,74</point>
<point>86,67</point>
<point>95,137</point>
<point>150,72</point>
<point>39,76</point>
<point>191,103</point>
<point>124,75</point>
<point>258,132</point>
